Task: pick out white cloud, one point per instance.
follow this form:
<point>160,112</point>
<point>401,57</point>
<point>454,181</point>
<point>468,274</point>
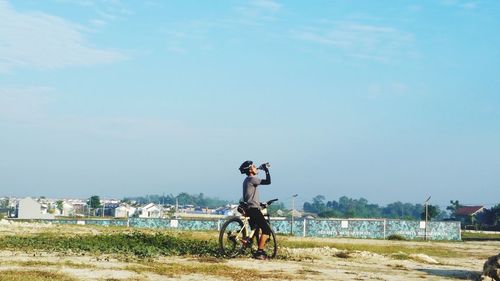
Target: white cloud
<point>469,5</point>
<point>380,43</point>
<point>83,3</point>
<point>105,11</point>
<point>266,4</point>
<point>47,42</point>
<point>98,22</point>
<point>460,4</point>
<point>196,34</point>
<point>256,12</point>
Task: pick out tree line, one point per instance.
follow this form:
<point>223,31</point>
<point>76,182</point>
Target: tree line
<point>347,207</point>
<point>182,198</point>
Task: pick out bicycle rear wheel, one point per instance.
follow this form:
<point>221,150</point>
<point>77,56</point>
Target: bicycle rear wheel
<point>231,237</point>
<point>271,247</point>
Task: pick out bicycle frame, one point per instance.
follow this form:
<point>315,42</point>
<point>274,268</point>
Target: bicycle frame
<point>246,227</point>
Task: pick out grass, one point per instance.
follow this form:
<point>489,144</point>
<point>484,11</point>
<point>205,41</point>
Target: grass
<point>46,263</point>
<point>343,255</point>
<point>396,237</point>
<point>33,275</point>
<point>173,270</point>
<point>472,236</point>
<point>400,256</point>
<point>308,271</point>
<point>383,249</point>
<point>139,244</point>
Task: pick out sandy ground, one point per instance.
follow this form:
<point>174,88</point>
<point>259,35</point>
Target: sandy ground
<point>301,264</point>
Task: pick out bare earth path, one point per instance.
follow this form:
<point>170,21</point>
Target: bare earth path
<point>323,263</point>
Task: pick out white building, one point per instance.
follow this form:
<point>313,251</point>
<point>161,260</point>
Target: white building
<point>28,208</point>
<point>68,209</point>
<point>151,210</point>
<point>124,211</point>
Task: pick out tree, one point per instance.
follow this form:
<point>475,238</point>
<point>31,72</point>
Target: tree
<point>4,203</point>
<point>329,214</point>
<point>432,212</point>
<point>60,206</point>
<point>94,202</point>
<point>318,204</point>
<point>185,199</point>
<point>275,207</point>
<point>170,213</point>
<point>490,217</point>
<point>360,208</point>
<point>486,217</point>
<point>496,214</point>
<point>453,207</point>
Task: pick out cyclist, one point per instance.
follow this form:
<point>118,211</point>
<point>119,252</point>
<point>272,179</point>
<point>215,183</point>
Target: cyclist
<point>251,197</point>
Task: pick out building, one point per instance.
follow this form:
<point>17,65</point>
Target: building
<point>151,210</point>
<point>124,211</point>
<point>467,214</point>
<point>28,208</point>
<point>67,210</point>
<point>107,209</point>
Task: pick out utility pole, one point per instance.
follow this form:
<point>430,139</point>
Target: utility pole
<point>293,209</point>
<point>426,216</point>
<point>176,207</point>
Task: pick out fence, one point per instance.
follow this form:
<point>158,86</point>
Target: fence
<point>354,228</point>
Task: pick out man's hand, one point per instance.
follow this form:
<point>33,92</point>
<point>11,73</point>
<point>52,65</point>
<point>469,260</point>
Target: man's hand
<point>264,167</point>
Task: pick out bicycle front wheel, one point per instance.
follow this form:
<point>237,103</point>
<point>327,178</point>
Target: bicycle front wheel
<point>231,237</point>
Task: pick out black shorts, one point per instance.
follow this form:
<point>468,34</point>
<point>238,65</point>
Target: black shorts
<point>258,219</point>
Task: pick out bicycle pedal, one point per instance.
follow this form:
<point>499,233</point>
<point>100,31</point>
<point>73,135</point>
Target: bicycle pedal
<point>246,240</point>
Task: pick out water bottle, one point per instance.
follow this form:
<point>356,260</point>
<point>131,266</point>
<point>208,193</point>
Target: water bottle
<point>267,165</point>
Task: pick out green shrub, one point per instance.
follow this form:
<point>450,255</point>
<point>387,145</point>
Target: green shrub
<point>400,256</point>
<point>136,243</point>
<point>396,237</point>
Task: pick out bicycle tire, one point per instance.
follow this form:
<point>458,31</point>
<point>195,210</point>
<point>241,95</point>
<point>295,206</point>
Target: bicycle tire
<point>271,247</point>
<point>230,245</point>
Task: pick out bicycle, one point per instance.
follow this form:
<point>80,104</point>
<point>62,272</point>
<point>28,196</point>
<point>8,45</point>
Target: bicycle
<point>237,236</point>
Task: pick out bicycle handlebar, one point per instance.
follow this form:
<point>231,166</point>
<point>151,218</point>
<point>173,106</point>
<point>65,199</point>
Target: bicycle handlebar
<point>271,201</point>
<point>268,203</point>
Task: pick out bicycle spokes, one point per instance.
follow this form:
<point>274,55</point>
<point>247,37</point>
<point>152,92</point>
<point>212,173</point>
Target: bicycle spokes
<point>231,237</point>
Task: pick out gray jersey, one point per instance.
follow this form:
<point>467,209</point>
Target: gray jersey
<point>250,192</point>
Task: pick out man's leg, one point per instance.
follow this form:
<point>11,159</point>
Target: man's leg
<point>262,241</point>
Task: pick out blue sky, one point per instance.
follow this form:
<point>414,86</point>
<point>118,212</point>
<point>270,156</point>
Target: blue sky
<point>386,100</point>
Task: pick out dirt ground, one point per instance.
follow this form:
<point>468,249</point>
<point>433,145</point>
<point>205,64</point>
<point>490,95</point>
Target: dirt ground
<point>323,263</point>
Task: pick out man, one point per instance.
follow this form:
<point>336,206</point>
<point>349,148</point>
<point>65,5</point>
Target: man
<point>251,197</point>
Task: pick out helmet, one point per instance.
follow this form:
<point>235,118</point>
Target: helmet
<point>245,166</point>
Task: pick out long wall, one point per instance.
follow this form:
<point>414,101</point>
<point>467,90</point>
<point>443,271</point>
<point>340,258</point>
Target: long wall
<point>354,228</point>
